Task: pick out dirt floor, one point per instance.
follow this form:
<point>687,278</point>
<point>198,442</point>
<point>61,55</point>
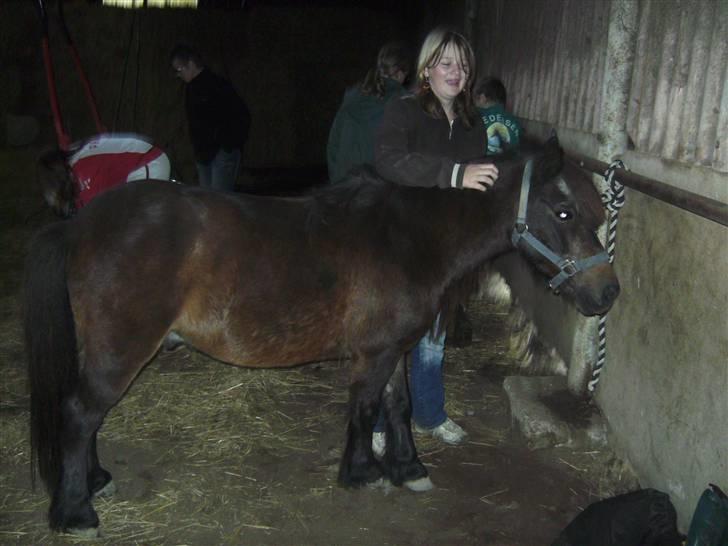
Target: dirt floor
<point>204,453</point>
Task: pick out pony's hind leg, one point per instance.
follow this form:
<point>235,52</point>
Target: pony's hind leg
<point>81,475</point>
<point>370,374</point>
<point>100,483</point>
<point>401,463</point>
<point>71,508</point>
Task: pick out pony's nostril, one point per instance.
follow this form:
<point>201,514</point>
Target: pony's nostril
<point>610,293</point>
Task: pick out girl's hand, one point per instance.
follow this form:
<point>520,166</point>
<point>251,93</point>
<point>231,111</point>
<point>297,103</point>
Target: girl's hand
<point>480,176</point>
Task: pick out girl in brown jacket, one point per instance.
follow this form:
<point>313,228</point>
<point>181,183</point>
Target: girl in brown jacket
<point>433,138</point>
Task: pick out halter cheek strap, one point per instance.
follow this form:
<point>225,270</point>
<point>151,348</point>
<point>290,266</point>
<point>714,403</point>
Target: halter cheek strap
<point>568,267</point>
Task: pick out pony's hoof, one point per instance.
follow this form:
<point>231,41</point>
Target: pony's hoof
<point>88,532</point>
<point>420,484</point>
<point>382,483</point>
<point>360,476</point>
<point>106,491</point>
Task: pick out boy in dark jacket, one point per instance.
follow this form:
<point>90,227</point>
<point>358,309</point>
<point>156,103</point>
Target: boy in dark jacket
<point>218,120</point>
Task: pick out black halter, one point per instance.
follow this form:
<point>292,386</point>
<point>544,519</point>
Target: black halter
<point>568,266</point>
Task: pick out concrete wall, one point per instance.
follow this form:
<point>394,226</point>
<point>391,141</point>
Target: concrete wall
<point>664,388</point>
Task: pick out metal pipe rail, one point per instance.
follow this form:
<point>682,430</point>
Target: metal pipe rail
<point>704,207</point>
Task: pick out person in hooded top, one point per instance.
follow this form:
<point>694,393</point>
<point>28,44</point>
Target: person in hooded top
<point>351,137</point>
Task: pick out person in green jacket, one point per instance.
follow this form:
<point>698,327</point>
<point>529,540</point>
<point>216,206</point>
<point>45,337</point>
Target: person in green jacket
<point>503,129</point>
<point>351,138</point>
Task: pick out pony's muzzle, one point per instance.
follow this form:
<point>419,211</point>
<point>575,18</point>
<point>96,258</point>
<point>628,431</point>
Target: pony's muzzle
<point>598,299</point>
<point>609,294</point>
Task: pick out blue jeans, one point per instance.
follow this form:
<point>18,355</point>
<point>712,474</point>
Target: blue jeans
<point>427,391</point>
<point>221,172</point>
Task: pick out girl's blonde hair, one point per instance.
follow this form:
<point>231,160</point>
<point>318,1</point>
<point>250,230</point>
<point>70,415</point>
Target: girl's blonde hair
<point>430,54</point>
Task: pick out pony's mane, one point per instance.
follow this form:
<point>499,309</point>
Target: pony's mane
<point>364,195</point>
<point>368,197</point>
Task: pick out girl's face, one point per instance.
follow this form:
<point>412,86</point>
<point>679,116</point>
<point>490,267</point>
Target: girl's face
<point>449,76</point>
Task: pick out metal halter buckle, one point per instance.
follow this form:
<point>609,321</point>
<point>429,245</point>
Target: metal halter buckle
<point>569,267</point>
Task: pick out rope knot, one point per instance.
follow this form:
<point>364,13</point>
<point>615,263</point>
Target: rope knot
<point>613,197</point>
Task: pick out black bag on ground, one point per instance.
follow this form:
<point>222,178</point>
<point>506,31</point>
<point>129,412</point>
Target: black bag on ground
<point>641,518</point>
<point>709,525</point>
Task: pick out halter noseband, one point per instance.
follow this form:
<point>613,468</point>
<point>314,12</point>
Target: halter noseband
<point>568,267</point>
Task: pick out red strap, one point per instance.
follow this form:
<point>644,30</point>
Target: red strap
<point>64,141</point>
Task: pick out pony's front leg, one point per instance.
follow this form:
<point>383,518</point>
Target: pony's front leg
<point>71,508</point>
<point>400,460</point>
<point>369,375</point>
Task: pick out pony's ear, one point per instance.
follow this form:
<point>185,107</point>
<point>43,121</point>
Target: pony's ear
<point>53,173</point>
<point>52,160</point>
<point>552,160</point>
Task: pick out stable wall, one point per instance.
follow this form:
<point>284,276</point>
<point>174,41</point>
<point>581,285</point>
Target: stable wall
<point>665,386</point>
<point>645,81</point>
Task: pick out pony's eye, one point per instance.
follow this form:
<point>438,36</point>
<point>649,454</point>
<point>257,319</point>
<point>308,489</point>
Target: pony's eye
<point>564,215</point>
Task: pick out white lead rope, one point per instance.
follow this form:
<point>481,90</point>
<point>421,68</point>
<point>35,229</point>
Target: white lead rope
<point>613,199</point>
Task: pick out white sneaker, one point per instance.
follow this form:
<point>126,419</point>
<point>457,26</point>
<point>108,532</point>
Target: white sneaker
<point>379,443</point>
<point>448,432</point>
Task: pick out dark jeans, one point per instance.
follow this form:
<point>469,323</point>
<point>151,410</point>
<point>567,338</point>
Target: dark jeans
<point>221,172</point>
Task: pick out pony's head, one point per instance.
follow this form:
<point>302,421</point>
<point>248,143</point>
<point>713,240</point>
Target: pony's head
<point>558,218</point>
<point>56,181</point>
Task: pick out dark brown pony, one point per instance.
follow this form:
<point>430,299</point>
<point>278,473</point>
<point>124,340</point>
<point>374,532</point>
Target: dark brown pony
<point>357,271</point>
<point>56,181</point>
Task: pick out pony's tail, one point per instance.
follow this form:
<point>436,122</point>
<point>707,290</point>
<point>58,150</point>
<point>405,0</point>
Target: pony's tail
<point>51,350</point>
